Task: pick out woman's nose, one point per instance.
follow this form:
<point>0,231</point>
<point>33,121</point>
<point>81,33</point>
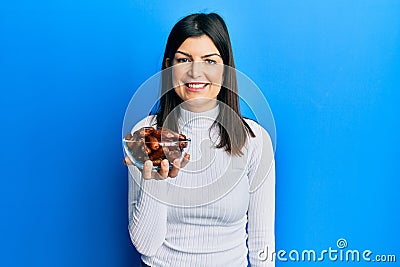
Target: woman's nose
<point>195,69</point>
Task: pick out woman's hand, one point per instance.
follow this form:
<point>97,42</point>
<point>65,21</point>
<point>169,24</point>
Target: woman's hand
<point>164,171</point>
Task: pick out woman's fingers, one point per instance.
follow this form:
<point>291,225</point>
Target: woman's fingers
<point>148,172</point>
<point>185,160</point>
<point>127,161</point>
<point>147,169</point>
<point>177,165</point>
<point>175,168</point>
<point>164,169</point>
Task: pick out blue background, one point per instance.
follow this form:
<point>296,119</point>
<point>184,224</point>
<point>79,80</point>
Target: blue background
<point>329,69</point>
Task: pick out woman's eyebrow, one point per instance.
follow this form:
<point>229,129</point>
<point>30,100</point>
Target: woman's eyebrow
<point>190,56</point>
<point>210,55</point>
<point>184,53</point>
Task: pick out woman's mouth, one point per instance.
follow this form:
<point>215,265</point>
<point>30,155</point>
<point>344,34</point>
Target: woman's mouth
<point>196,86</point>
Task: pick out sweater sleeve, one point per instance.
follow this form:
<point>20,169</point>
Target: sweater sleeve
<point>261,210</point>
<point>147,214</point>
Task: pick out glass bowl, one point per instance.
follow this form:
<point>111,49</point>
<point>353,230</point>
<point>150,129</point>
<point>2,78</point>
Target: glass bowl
<point>140,148</point>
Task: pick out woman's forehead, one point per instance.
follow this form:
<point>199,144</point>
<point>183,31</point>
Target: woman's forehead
<point>198,46</point>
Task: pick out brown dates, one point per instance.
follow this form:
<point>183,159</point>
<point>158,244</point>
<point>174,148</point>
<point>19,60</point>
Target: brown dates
<point>156,144</point>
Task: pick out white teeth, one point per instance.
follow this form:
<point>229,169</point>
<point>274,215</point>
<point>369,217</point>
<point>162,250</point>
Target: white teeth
<point>196,85</point>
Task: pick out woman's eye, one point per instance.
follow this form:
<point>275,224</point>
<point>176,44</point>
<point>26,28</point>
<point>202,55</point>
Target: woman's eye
<point>182,60</point>
<point>210,61</point>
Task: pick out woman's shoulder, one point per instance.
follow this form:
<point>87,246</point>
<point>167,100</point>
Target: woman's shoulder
<point>261,138</point>
<point>145,122</point>
<point>257,129</point>
<point>252,123</point>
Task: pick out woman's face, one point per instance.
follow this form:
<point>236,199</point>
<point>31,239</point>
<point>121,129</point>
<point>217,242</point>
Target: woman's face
<point>198,73</point>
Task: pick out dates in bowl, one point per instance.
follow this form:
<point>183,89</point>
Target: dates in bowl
<point>155,145</point>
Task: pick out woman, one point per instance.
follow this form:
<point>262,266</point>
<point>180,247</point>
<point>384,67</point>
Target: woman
<point>197,212</point>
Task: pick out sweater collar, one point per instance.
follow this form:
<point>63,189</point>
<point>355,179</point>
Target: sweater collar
<point>198,120</point>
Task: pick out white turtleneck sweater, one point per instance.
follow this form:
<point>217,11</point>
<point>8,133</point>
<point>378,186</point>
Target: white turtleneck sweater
<point>199,218</point>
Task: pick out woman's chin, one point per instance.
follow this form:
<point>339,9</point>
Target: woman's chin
<point>199,103</point>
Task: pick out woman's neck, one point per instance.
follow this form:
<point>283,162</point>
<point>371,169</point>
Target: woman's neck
<point>198,120</point>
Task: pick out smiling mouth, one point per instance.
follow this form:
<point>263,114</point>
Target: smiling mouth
<point>197,86</point>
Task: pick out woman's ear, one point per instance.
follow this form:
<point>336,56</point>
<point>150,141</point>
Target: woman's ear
<point>167,62</point>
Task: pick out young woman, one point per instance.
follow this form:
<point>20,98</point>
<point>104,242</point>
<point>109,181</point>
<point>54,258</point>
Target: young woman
<point>216,207</point>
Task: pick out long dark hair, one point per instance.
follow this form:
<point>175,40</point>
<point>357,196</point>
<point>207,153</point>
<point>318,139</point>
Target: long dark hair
<point>233,129</point>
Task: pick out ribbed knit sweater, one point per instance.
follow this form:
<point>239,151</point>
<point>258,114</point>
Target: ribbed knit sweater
<point>199,218</point>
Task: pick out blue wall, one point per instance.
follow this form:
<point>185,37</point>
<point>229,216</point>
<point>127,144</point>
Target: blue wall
<point>329,69</point>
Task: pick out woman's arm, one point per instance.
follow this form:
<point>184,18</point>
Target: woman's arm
<point>147,215</point>
<point>261,211</point>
